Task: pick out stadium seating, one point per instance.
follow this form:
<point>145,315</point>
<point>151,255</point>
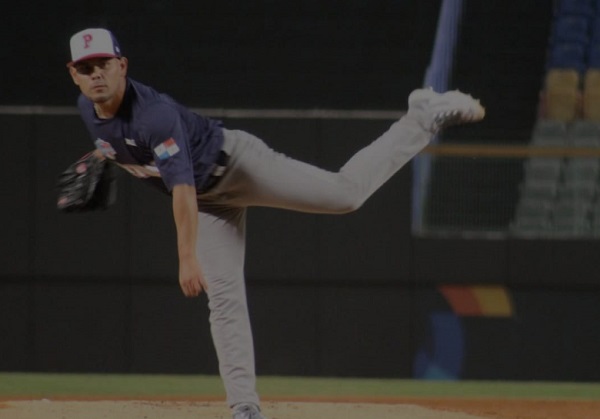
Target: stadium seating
<point>595,218</point>
<point>543,169</point>
<point>568,55</point>
<point>591,95</point>
<point>572,29</point>
<point>595,30</point>
<point>562,94</point>
<point>549,132</point>
<point>532,217</point>
<point>570,219</point>
<point>584,133</point>
<point>559,191</point>
<point>584,8</point>
<point>578,169</point>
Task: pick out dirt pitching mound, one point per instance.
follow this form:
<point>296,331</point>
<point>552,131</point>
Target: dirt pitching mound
<point>138,409</point>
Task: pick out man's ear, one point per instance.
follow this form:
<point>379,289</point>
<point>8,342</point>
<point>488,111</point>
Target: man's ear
<point>73,74</point>
<point>124,63</point>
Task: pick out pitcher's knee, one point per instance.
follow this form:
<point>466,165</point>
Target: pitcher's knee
<point>348,196</point>
<point>224,308</point>
<point>346,204</point>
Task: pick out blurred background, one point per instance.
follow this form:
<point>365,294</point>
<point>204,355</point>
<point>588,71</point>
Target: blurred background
<point>476,261</point>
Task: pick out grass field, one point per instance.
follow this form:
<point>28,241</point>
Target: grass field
<point>97,396</point>
<point>194,386</point>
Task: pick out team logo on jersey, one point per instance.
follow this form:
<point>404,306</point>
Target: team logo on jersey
<point>130,142</point>
<point>167,149</point>
<point>106,149</point>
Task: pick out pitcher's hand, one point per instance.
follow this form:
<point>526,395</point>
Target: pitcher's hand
<point>191,279</point>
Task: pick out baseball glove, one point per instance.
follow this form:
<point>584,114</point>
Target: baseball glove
<point>88,184</point>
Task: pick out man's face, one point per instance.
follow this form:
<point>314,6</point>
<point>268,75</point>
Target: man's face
<point>100,79</point>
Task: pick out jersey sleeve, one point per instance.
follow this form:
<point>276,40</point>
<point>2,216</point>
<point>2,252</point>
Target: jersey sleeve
<point>164,131</point>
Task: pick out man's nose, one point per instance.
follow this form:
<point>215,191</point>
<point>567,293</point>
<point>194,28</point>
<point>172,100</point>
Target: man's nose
<point>96,71</point>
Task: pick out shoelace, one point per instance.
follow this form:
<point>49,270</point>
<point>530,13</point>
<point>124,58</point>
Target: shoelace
<point>252,413</point>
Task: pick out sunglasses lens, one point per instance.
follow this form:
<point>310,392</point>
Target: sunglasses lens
<point>84,68</point>
<point>88,67</point>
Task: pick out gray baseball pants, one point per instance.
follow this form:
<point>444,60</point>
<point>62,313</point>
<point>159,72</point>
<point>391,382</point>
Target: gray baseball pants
<point>258,176</point>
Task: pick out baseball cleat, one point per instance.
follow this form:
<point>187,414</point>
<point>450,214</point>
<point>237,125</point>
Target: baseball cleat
<point>247,411</point>
<point>436,111</point>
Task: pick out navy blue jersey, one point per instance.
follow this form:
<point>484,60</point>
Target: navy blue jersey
<point>155,138</point>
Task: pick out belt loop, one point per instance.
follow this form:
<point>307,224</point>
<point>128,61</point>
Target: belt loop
<point>219,168</point>
<point>220,164</point>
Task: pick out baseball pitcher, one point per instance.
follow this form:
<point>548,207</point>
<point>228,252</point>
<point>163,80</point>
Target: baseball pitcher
<point>214,175</point>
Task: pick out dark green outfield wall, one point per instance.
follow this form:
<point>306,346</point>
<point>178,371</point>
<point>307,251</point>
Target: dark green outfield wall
<point>352,295</point>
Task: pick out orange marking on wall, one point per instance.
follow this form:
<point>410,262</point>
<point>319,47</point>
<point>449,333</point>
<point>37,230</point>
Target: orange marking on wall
<point>494,301</point>
<point>478,301</point>
<point>462,300</point>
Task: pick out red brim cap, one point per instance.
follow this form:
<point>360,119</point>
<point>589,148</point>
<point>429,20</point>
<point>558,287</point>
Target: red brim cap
<point>91,56</point>
<point>93,43</point>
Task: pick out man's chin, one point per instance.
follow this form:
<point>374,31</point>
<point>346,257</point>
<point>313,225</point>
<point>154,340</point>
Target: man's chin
<point>99,99</point>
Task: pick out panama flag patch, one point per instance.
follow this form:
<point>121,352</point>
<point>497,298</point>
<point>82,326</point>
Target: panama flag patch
<point>167,149</point>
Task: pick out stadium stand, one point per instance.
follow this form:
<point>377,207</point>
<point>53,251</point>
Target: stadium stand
<point>569,117</point>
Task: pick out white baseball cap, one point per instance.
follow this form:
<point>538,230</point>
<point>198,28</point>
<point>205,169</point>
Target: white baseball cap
<point>93,43</point>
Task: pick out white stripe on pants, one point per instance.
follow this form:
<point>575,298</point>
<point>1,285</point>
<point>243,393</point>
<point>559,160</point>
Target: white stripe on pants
<point>258,176</point>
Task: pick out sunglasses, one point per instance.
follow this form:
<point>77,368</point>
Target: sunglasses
<point>87,67</point>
